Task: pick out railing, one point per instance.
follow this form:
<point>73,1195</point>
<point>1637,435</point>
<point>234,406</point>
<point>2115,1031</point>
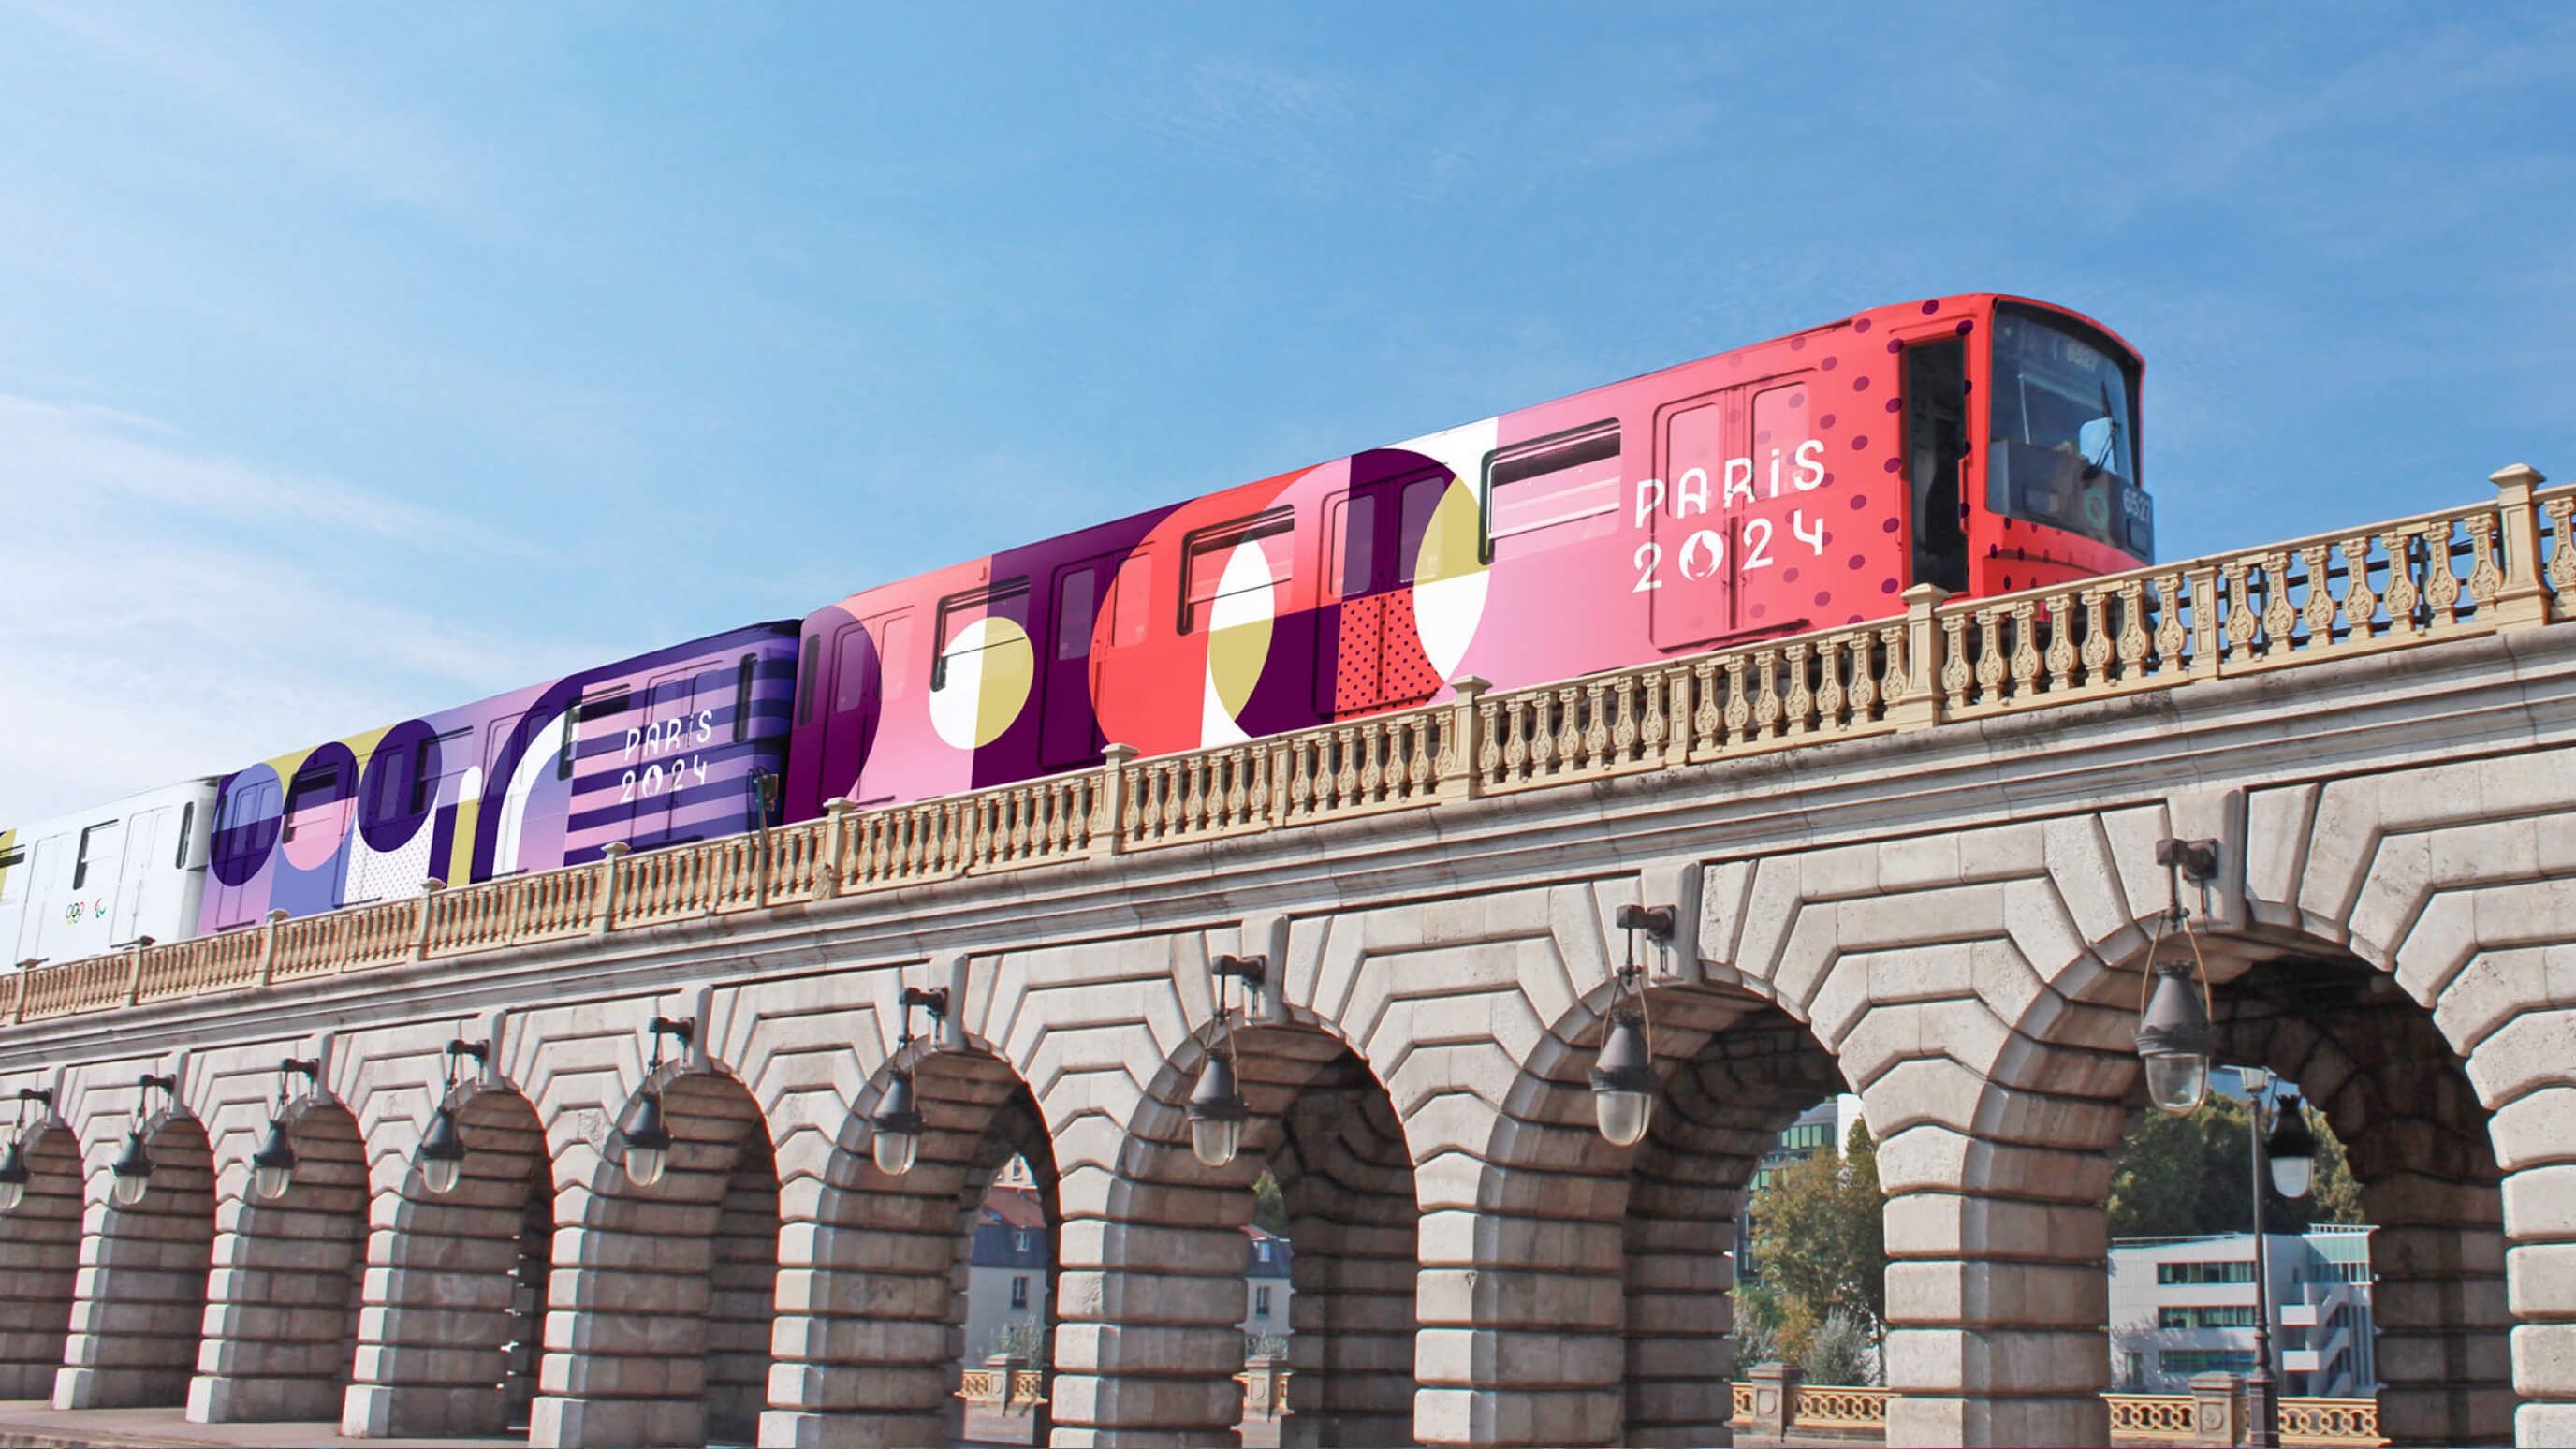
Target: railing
<point>1002,1386</point>
<point>2506,564</point>
<point>2169,1419</point>
<point>1849,1409</point>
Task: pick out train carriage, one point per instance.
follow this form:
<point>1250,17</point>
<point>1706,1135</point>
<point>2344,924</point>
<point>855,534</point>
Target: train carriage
<point>1981,443</point>
<point>81,885</point>
<point>680,744</point>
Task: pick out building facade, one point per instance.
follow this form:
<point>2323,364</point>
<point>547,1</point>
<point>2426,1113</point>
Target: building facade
<point>2184,1306</point>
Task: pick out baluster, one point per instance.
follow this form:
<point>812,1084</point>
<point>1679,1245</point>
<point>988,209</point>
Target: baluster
<point>1372,766</point>
<point>1654,731</point>
<point>1990,655</point>
<point>1708,716</point>
<point>2360,605</point>
<point>2561,572</point>
<point>2061,642</point>
<point>1594,709</point>
<point>2279,617</point>
<point>1766,705</point>
<point>2486,576</point>
<point>1301,779</point>
<point>1829,678</point>
<point>2025,650</point>
<point>1738,713</point>
<point>1623,714</point>
<point>2132,646</point>
<point>1421,772</point>
<point>1525,755</point>
<point>1346,780</point>
<point>1802,695</point>
<point>2318,614</point>
<point>1489,744</point>
<point>2441,582</point>
<point>1569,730</point>
<point>2405,596</point>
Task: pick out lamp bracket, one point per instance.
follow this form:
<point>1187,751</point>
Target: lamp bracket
<point>37,1094</point>
<point>1655,921</point>
<point>932,999</point>
<point>685,1028</point>
<point>2196,859</point>
<point>309,1068</point>
<point>1250,970</point>
<point>479,1051</point>
<point>168,1083</point>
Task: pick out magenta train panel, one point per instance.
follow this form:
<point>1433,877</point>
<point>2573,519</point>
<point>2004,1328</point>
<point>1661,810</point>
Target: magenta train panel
<point>1983,443</point>
<point>667,747</point>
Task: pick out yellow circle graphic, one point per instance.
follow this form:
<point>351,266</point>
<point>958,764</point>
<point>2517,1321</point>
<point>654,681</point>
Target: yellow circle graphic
<point>986,673</point>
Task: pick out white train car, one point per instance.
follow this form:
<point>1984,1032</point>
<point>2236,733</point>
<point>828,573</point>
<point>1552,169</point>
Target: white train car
<point>81,885</point>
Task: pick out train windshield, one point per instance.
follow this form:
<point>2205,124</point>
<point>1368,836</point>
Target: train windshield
<point>2065,448</point>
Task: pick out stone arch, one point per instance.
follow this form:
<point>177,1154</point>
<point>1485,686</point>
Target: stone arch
<point>1724,1104</point>
<point>39,1260</point>
<point>138,1313</point>
<point>872,1285</point>
<point>282,1300</point>
<point>664,1295</point>
<point>448,1338</point>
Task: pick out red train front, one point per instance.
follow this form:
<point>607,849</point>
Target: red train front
<point>1982,443</point>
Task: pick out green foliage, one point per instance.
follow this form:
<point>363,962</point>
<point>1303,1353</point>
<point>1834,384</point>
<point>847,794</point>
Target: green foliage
<point>1842,1350</point>
<point>1269,1205</point>
<point>2180,1176</point>
<point>1026,1338</point>
<point>1820,1238</point>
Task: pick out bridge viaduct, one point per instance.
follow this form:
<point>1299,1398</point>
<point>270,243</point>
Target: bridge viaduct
<point>1914,859</point>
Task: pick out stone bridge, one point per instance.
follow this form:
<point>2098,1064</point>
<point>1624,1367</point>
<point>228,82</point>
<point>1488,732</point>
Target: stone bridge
<point>1914,859</point>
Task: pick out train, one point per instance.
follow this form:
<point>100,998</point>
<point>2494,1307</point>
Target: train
<point>1981,442</point>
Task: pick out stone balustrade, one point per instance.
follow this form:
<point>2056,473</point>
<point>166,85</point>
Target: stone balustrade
<point>2434,577</point>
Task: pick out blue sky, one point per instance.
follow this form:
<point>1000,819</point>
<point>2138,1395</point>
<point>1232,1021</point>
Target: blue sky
<point>360,360</point>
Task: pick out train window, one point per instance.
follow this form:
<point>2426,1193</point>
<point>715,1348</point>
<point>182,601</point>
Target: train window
<point>1779,426</point>
<point>1552,492</point>
<point>805,679</point>
<point>610,701</point>
<point>80,862</point>
<point>2064,450</point>
<point>1208,556</point>
<point>742,696</point>
<point>307,786</point>
<point>1007,601</point>
<point>424,780</point>
<point>1417,548</point>
<point>187,822</point>
<point>1129,600</point>
<point>1076,595</point>
<point>1352,535</point>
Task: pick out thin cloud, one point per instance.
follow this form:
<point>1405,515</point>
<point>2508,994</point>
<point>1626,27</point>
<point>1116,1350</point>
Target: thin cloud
<point>307,110</point>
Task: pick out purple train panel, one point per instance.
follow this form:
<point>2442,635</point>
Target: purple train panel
<point>677,745</point>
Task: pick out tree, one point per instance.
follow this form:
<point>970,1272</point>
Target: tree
<point>2183,1176</point>
<point>1819,1234</point>
<point>1269,1205</point>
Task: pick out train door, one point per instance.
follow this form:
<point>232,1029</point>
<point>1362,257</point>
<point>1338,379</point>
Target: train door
<point>1683,562</point>
<point>245,830</point>
<point>142,838</point>
<point>869,660</point>
<point>1367,657</point>
<point>38,897</point>
<point>1068,728</point>
<point>658,765</point>
<point>1936,457</point>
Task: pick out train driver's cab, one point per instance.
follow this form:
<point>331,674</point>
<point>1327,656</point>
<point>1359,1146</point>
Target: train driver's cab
<point>2064,451</point>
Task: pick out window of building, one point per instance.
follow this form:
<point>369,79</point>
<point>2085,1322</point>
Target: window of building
<point>1261,1303</point>
<point>1020,1288</point>
<point>1020,1240</point>
<point>1261,1250</point>
<point>2225,1315</point>
<point>2206,1360</point>
<point>2232,1270</point>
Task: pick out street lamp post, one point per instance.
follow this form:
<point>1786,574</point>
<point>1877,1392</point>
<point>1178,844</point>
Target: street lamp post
<point>2284,1159</point>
